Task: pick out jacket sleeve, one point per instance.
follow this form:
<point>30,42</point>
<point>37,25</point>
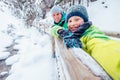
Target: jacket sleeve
<point>54,30</point>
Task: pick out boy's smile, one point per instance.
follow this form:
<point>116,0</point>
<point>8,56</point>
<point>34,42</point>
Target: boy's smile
<point>74,22</point>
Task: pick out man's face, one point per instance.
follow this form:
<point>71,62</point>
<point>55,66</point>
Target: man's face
<point>57,17</point>
<point>75,22</point>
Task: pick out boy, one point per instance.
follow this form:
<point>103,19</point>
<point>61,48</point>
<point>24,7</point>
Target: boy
<point>104,50</point>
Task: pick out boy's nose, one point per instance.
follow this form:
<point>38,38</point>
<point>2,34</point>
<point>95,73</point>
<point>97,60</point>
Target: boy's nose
<point>72,23</point>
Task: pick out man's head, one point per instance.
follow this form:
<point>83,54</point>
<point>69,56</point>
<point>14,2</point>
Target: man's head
<point>56,12</point>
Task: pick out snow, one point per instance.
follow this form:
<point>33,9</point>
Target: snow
<point>11,60</point>
<point>33,60</point>
<point>106,19</point>
<point>4,55</point>
<point>4,40</point>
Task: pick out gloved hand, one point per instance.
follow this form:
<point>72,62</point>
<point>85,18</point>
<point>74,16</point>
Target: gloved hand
<point>54,30</point>
<point>72,42</point>
<point>63,33</point>
<point>69,40</point>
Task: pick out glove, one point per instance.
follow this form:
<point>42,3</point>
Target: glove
<point>69,40</point>
<point>54,30</point>
<point>63,33</point>
<point>72,42</point>
<point>81,29</point>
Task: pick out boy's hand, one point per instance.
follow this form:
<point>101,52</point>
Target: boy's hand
<point>72,42</point>
<point>69,40</point>
<point>63,33</point>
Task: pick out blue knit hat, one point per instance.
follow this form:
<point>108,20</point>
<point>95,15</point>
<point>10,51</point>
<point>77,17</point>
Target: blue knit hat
<point>77,10</point>
<point>56,9</point>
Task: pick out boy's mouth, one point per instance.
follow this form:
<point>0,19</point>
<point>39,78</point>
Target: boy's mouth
<point>74,29</point>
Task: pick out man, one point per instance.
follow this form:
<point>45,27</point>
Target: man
<point>58,16</point>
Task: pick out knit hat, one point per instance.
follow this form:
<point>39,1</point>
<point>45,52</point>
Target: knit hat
<point>77,10</point>
<point>56,9</point>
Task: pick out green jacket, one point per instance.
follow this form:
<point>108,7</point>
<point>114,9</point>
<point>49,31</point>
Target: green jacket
<point>61,25</point>
<point>104,50</point>
<point>89,35</point>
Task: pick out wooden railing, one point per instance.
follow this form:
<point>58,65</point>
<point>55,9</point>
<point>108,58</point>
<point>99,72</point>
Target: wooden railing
<point>75,64</point>
<point>113,34</point>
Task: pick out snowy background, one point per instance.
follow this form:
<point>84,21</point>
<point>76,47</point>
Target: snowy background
<point>32,60</point>
<point>105,15</point>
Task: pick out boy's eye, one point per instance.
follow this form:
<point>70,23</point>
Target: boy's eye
<point>76,19</point>
<point>69,21</point>
<point>57,13</point>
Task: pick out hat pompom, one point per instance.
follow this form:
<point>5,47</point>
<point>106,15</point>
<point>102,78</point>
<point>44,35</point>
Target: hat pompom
<point>77,10</point>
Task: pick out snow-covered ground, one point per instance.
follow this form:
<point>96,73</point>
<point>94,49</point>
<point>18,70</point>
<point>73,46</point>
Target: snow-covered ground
<point>33,60</point>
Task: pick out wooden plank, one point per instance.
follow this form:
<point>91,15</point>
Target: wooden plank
<point>75,66</point>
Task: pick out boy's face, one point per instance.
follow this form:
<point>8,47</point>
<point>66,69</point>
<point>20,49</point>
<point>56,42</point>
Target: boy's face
<point>57,17</point>
<point>75,22</point>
